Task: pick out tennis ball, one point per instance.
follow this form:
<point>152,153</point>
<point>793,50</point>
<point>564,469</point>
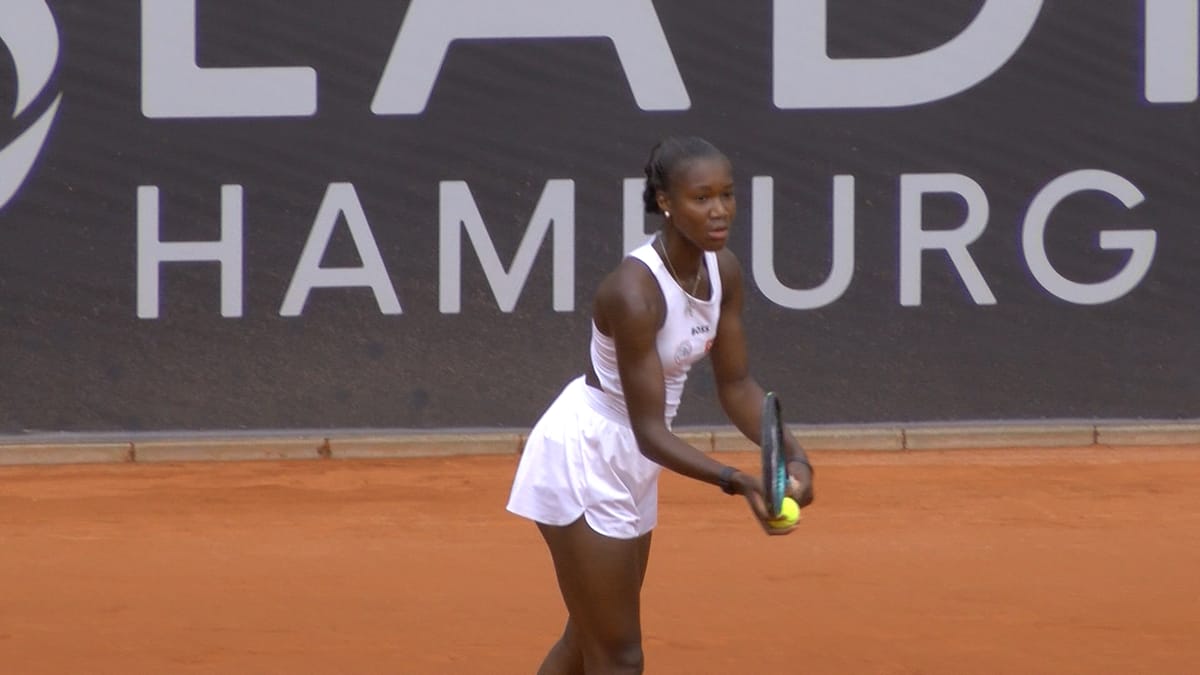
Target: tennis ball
<point>789,515</point>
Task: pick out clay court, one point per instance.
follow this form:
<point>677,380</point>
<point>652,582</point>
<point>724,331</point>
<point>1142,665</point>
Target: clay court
<point>1000,561</point>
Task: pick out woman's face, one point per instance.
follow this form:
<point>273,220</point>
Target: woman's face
<point>701,202</point>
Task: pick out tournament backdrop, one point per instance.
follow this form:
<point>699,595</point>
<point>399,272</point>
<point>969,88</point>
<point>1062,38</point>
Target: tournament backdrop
<point>287,214</point>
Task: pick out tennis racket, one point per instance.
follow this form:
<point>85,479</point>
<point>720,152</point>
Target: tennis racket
<point>774,465</point>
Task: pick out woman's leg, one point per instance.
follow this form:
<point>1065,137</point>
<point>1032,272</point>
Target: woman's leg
<point>565,657</point>
<point>600,578</point>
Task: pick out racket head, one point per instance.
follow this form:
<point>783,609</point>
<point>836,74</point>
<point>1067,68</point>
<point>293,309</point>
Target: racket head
<point>774,466</point>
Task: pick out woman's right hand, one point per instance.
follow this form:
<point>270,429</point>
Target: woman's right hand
<point>751,488</point>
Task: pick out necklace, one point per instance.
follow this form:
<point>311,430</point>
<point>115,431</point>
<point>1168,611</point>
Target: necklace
<point>699,270</point>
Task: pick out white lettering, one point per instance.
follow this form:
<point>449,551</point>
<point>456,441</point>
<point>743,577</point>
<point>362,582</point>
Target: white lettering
<point>914,240</point>
<point>458,211</point>
<point>633,232</point>
<point>431,25</point>
<point>1140,243</point>
<point>174,86</point>
<point>340,199</point>
<point>16,160</point>
<point>554,216</point>
<point>29,32</point>
<point>763,247</point>
<point>152,252</point>
<point>1172,51</point>
<point>805,76</point>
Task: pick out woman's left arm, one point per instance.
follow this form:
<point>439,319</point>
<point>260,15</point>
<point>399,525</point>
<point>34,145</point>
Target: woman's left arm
<point>740,395</point>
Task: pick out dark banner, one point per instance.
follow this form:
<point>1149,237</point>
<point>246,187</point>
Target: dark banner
<point>299,214</point>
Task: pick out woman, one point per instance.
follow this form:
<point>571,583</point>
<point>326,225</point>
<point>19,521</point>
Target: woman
<point>589,473</point>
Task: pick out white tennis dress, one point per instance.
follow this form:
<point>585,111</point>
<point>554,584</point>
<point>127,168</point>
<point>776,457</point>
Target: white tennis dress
<point>581,457</point>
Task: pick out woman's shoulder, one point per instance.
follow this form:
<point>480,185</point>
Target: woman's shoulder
<point>629,282</point>
<point>729,266</point>
<point>631,291</point>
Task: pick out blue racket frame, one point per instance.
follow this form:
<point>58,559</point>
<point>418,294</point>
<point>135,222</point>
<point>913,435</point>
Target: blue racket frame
<point>774,464</point>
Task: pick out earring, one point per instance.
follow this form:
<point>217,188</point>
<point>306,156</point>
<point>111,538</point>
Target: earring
<point>667,215</point>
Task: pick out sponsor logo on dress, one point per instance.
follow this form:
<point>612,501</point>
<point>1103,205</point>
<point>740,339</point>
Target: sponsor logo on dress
<point>682,352</point>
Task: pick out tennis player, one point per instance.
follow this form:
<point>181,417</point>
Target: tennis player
<point>588,475</point>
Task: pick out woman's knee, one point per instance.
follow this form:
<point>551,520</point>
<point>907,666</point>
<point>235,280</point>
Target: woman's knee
<point>620,656</point>
<point>629,657</point>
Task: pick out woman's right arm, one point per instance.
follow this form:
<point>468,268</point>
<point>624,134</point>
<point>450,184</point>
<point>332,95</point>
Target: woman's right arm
<point>630,308</point>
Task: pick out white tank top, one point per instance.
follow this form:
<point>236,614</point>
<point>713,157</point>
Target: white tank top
<point>685,338</point>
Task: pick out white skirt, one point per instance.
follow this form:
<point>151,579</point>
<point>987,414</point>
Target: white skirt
<point>580,461</point>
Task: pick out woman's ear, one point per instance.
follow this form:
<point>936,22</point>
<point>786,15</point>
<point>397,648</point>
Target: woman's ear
<point>664,204</point>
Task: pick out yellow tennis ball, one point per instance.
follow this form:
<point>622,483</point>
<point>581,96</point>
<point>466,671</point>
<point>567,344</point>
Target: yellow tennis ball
<point>789,515</point>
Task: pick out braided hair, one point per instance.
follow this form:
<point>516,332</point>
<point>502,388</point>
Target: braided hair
<point>665,158</point>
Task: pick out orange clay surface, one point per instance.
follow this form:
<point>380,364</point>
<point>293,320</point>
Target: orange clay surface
<point>1001,561</point>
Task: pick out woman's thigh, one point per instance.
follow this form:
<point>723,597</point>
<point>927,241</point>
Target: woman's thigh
<point>600,578</point>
